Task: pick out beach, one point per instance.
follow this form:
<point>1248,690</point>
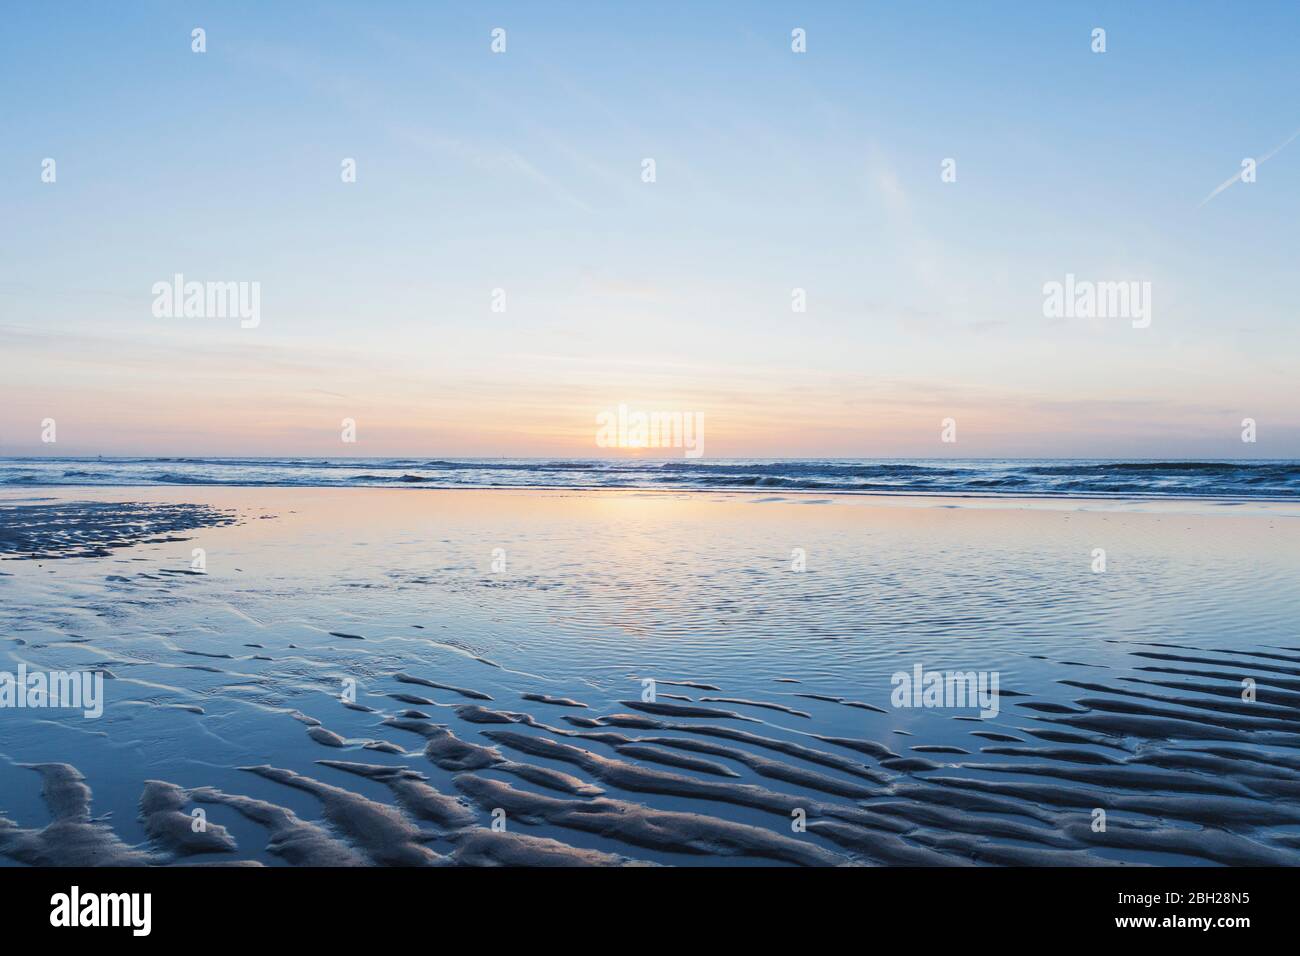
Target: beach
<point>355,676</point>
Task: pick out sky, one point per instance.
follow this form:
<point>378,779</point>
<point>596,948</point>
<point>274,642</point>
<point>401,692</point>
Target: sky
<point>523,171</point>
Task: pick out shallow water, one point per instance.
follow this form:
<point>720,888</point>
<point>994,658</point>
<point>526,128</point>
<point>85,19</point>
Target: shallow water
<point>1120,690</point>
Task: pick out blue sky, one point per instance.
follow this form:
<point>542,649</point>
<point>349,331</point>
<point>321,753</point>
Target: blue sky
<point>775,170</point>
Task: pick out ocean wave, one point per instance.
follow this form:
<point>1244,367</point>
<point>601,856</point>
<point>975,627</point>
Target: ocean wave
<point>1100,478</point>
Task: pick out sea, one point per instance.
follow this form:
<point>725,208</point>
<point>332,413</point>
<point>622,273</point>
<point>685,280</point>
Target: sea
<point>956,477</point>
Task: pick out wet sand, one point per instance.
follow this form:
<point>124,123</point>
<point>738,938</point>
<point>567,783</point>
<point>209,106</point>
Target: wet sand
<point>358,677</point>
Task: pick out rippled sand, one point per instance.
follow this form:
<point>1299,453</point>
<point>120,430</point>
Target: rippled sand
<point>376,677</point>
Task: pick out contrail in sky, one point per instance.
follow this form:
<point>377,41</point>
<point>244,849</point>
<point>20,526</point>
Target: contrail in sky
<point>1232,179</point>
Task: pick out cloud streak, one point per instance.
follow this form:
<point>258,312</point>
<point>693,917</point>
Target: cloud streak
<point>1260,162</point>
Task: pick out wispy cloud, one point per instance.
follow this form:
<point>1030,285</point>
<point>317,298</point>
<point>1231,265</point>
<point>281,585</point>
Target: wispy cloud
<point>1259,162</point>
